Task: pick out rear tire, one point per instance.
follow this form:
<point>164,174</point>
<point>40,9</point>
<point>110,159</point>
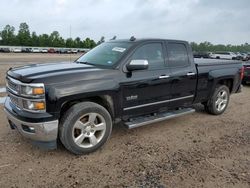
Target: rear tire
<point>85,127</point>
<point>218,102</point>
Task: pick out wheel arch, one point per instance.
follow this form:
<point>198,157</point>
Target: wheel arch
<point>227,82</point>
<point>104,100</point>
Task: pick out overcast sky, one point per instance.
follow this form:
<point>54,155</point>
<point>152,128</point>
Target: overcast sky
<point>217,21</point>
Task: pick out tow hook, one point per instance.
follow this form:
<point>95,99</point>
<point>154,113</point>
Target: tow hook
<point>12,125</point>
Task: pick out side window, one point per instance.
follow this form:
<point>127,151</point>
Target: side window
<point>151,52</point>
<point>177,55</point>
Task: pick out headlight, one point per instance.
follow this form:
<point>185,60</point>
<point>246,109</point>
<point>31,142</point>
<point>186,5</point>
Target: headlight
<point>32,90</point>
<point>34,105</point>
<point>27,96</point>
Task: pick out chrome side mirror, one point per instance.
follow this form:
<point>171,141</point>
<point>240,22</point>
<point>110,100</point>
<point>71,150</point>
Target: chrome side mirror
<point>137,64</point>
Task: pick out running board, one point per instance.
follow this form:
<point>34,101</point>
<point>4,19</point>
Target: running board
<point>144,120</point>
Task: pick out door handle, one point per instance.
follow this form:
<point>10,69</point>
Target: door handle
<point>190,74</point>
<point>164,76</point>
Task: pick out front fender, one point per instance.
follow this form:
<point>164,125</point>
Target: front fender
<point>66,92</point>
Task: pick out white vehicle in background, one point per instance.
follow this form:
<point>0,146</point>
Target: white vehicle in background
<point>244,56</point>
<point>74,51</point>
<point>17,50</point>
<point>223,55</point>
<point>35,50</point>
<point>44,50</point>
<point>239,56</point>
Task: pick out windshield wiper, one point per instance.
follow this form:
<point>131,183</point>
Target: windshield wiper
<point>85,62</point>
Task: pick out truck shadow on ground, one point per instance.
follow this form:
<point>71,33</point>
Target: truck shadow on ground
<point>246,85</point>
<point>199,108</point>
<point>119,131</point>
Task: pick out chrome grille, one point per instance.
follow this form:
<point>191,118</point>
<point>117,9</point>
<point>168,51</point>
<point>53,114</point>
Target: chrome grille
<point>15,101</point>
<point>12,86</point>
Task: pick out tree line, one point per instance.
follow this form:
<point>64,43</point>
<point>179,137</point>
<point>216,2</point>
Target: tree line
<point>24,37</point>
<point>209,47</point>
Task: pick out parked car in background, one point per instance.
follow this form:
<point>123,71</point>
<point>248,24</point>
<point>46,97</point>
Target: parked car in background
<point>5,50</point>
<point>35,50</point>
<point>246,78</point>
<point>57,50</point>
<point>82,51</point>
<point>51,50</point>
<point>201,55</point>
<point>69,51</point>
<point>244,56</point>
<point>74,51</point>
<point>17,50</point>
<point>223,55</point>
<point>26,50</point>
<point>248,56</point>
<point>44,51</point>
<point>62,51</point>
<point>238,56</point>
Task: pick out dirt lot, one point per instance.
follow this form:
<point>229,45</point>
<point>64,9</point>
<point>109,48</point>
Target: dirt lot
<point>197,150</point>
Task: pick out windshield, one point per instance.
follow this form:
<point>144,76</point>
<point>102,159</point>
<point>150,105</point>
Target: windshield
<point>105,54</point>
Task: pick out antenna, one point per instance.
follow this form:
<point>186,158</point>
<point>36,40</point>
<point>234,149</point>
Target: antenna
<point>114,37</point>
<point>132,38</point>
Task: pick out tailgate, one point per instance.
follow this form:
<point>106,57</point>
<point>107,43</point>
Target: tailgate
<point>247,70</point>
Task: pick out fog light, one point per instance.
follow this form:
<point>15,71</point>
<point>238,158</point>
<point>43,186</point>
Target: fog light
<point>28,129</point>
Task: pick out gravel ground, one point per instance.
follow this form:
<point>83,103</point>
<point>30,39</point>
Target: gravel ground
<point>197,150</point>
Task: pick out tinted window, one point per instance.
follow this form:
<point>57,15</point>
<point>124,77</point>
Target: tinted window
<point>177,55</point>
<point>151,52</point>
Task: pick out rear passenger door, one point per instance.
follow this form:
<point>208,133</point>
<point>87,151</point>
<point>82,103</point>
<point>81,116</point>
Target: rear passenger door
<point>182,74</point>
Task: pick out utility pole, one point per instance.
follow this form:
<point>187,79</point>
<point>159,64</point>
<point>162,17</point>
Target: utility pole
<point>70,44</point>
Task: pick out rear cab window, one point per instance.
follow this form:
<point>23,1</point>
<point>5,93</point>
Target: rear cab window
<point>177,55</point>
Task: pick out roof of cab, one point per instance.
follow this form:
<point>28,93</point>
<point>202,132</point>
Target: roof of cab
<point>146,40</point>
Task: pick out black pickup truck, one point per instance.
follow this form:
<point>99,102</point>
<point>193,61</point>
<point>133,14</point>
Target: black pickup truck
<point>134,82</point>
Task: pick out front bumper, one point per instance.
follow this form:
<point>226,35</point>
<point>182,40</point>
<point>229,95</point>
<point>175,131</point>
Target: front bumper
<point>41,132</point>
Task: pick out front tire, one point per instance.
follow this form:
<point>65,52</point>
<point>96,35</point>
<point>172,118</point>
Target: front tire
<point>85,128</point>
<point>218,102</point>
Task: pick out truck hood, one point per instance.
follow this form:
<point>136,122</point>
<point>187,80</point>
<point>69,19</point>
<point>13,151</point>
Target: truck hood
<point>45,72</point>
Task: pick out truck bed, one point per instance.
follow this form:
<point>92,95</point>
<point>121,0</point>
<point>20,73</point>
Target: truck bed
<point>209,62</point>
